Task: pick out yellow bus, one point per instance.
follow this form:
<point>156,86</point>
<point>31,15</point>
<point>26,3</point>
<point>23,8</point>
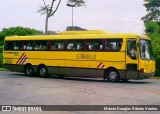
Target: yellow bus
<point>95,53</point>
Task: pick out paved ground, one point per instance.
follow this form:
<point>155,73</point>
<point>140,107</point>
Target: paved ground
<point>17,89</point>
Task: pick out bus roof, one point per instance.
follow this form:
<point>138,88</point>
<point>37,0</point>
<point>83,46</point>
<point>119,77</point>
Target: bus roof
<point>89,34</point>
<point>83,32</point>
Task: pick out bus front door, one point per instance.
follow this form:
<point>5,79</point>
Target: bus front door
<point>131,59</point>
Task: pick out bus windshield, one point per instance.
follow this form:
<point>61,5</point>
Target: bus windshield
<point>146,51</point>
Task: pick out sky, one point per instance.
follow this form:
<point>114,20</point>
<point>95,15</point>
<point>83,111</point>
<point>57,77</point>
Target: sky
<point>115,16</point>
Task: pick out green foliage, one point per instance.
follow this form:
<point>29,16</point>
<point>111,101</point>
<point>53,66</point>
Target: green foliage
<point>1,49</point>
<point>19,31</point>
<point>1,60</point>
<point>153,8</point>
<point>152,27</point>
<point>158,67</point>
<point>76,3</point>
<point>1,42</point>
<point>153,31</point>
<point>152,24</point>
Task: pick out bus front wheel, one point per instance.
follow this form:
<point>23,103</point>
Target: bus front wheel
<point>43,71</point>
<point>112,75</point>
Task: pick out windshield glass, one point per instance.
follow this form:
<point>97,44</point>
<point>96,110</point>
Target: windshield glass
<point>146,50</point>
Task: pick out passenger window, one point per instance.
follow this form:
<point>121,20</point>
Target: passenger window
<point>37,45</point>
<point>41,45</point>
<point>52,45</point>
<point>132,49</point>
<point>14,45</point>
<point>17,45</point>
<point>70,45</point>
<point>112,45</point>
<point>94,45</point>
<point>9,45</point>
<point>97,45</point>
<point>79,45</point>
<point>57,45</point>
<point>28,45</point>
<point>44,45</point>
<point>74,45</point>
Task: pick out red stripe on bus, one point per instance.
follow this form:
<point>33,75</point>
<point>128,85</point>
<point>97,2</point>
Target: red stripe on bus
<point>99,64</point>
<point>20,62</point>
<point>24,60</point>
<point>20,58</point>
<point>102,66</point>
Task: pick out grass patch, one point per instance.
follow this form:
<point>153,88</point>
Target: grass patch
<point>2,69</point>
<point>155,77</point>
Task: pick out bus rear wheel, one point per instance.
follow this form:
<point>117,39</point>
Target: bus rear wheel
<point>43,71</point>
<point>112,75</point>
<point>29,70</point>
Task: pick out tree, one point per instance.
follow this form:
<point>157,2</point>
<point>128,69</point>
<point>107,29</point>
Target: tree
<point>19,31</point>
<point>153,31</point>
<point>49,11</point>
<point>152,24</point>
<point>75,3</point>
<point>153,8</point>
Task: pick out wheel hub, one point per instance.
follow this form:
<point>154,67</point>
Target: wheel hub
<point>113,75</point>
<point>42,71</point>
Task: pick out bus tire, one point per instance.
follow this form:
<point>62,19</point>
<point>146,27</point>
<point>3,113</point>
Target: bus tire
<point>43,71</point>
<point>112,75</point>
<point>29,70</point>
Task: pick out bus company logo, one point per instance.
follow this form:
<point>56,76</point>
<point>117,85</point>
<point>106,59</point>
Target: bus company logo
<point>22,59</point>
<point>101,65</point>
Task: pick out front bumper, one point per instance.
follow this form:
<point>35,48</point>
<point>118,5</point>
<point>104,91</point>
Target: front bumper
<point>145,75</point>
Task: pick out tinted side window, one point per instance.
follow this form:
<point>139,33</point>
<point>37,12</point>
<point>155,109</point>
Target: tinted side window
<point>57,45</point>
<point>75,45</point>
<point>17,45</point>
<point>41,45</point>
<point>112,44</point>
<point>9,45</point>
<point>13,45</point>
<point>94,45</point>
<point>28,45</point>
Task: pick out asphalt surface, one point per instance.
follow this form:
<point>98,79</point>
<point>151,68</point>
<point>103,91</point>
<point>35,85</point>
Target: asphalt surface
<point>18,89</point>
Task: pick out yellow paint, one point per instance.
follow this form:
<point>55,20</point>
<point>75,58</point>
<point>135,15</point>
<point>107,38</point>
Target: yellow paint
<point>73,58</point>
